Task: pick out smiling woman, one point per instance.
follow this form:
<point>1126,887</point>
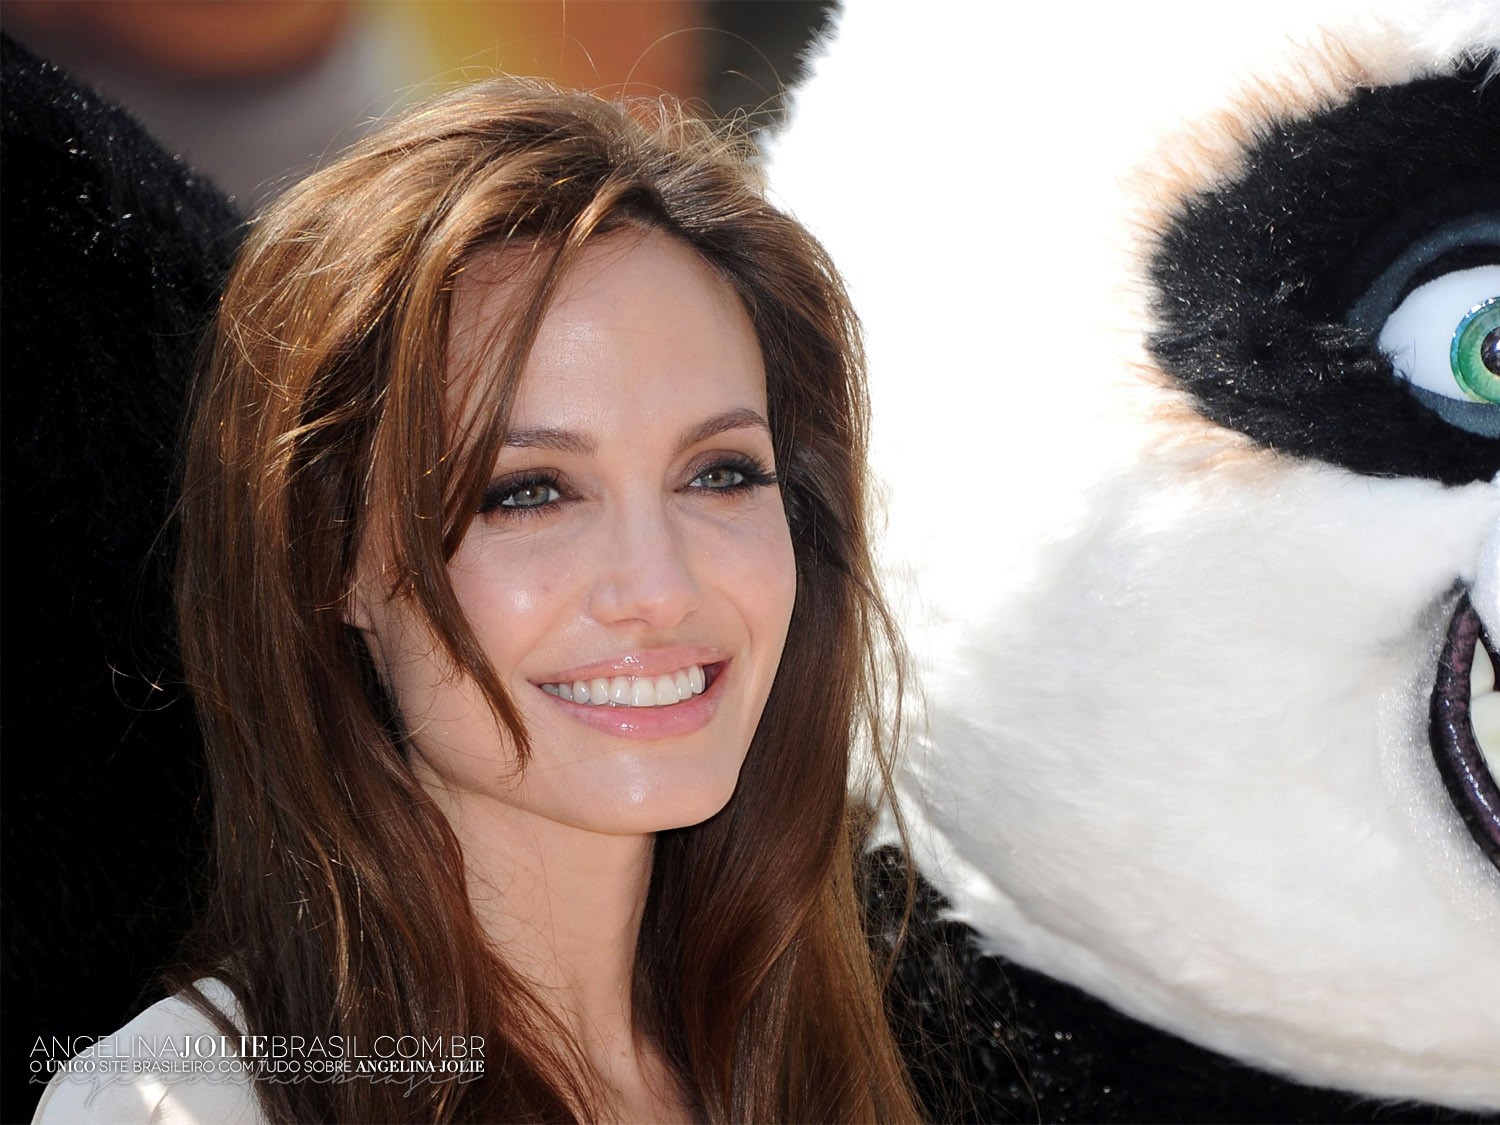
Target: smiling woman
<point>632,552</point>
<point>527,603</point>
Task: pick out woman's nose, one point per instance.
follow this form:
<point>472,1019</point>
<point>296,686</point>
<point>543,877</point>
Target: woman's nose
<point>646,572</point>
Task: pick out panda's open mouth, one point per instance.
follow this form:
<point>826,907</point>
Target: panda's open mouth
<point>1466,726</point>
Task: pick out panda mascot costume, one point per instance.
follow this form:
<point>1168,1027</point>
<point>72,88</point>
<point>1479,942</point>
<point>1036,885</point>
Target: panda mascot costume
<point>1183,338</point>
<point>1184,332</point>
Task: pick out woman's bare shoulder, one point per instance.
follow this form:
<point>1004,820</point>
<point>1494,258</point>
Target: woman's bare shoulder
<point>170,1065</point>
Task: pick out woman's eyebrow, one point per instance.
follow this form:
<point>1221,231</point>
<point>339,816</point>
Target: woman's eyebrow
<point>736,419</point>
<point>570,441</point>
<point>551,437</point>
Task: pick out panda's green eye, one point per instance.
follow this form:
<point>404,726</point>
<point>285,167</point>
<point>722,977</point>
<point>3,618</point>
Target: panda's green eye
<point>1475,354</point>
<point>1441,337</point>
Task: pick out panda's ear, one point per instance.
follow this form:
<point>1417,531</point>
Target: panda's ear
<point>1289,299</point>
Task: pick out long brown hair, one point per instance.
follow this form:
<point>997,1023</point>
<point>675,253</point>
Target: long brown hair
<point>339,906</point>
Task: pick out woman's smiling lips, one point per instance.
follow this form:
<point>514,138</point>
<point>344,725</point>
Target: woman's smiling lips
<point>659,694</point>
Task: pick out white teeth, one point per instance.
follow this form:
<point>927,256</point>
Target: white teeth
<point>632,691</point>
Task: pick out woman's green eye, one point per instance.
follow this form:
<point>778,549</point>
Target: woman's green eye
<point>720,477</point>
<point>1475,354</point>
<point>534,495</point>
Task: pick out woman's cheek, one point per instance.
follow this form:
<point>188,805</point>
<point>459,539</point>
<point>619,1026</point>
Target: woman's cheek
<point>756,552</point>
<point>511,578</point>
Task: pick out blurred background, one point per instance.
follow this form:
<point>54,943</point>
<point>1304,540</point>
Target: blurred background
<point>255,92</point>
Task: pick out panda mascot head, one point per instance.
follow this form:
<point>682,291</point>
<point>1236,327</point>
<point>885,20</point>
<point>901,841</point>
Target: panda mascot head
<point>1184,327</point>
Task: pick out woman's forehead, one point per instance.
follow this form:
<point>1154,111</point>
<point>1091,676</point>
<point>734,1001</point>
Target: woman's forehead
<point>639,326</point>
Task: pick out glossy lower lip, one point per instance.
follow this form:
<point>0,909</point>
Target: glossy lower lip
<point>650,724</point>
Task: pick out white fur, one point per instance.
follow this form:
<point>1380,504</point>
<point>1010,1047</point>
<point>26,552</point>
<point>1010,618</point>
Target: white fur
<point>1176,743</point>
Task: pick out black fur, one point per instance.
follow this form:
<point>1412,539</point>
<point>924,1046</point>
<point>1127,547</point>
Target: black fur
<point>113,254</point>
<point>1256,279</point>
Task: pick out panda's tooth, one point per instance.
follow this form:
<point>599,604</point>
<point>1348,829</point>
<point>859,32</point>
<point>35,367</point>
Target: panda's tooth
<point>1482,672</point>
<point>1484,718</point>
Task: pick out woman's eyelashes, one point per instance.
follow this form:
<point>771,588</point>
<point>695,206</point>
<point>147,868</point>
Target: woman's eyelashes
<point>534,493</point>
<point>733,474</point>
<point>520,495</point>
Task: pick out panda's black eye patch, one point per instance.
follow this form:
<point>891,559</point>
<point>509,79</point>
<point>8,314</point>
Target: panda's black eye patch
<point>1274,291</point>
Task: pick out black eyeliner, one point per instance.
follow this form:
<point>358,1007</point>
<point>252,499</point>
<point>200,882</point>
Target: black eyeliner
<point>755,474</point>
<point>496,492</point>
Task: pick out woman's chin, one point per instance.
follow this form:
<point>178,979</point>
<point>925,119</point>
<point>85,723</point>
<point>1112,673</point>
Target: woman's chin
<point>676,803</point>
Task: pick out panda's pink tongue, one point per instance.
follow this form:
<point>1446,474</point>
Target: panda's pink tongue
<point>1465,715</point>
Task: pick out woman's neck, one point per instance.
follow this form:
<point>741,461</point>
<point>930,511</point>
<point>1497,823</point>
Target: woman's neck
<point>563,907</point>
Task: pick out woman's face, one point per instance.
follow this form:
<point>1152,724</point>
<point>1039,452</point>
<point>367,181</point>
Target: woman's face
<point>630,573</point>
